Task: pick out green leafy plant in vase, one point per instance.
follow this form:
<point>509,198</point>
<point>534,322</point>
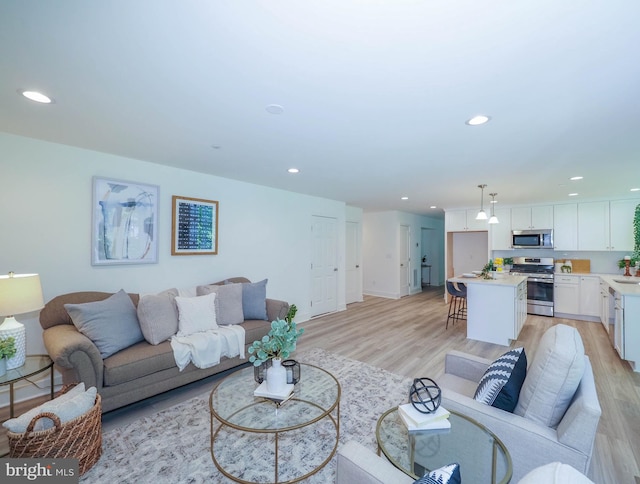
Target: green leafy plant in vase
<point>7,350</point>
<point>276,345</point>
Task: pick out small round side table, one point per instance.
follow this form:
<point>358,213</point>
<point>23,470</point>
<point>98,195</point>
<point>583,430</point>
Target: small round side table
<point>33,365</point>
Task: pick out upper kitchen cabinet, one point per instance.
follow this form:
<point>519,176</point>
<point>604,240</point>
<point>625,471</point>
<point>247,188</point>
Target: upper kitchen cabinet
<point>593,226</point>
<point>501,232</point>
<point>565,226</point>
<point>621,213</point>
<point>463,220</point>
<point>527,218</point>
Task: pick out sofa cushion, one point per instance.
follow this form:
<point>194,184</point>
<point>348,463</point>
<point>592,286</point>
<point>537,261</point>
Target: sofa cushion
<point>553,376</point>
<point>449,474</point>
<point>137,361</point>
<point>158,316</point>
<point>196,314</point>
<point>228,302</point>
<point>111,324</point>
<point>501,383</point>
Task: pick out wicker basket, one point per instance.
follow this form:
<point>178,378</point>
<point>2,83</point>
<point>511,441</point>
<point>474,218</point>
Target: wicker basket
<point>80,438</point>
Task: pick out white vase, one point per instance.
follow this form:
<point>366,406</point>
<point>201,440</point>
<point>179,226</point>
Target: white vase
<point>3,366</point>
<point>276,377</point>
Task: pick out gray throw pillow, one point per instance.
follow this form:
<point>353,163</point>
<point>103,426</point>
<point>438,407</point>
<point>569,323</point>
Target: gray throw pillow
<point>111,324</point>
<point>254,300</point>
<point>228,302</point>
<point>158,316</point>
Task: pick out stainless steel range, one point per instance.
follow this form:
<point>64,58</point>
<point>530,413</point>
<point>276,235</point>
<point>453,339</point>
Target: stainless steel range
<point>539,272</point>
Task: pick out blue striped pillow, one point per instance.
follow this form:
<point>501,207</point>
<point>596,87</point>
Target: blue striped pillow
<point>501,383</point>
<point>449,474</point>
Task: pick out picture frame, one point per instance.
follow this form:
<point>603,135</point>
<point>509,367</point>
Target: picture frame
<point>124,222</point>
<point>194,226</point>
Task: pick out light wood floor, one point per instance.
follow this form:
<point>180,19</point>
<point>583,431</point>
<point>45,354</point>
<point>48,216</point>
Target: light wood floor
<point>408,337</point>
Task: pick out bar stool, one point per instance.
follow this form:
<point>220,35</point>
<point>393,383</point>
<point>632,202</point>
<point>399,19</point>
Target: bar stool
<point>458,302</point>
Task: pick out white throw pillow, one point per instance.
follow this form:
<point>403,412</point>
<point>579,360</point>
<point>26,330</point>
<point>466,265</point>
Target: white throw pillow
<point>196,314</point>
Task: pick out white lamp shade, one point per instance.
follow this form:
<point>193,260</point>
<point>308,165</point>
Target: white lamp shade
<point>20,293</point>
<point>482,215</point>
<point>494,220</point>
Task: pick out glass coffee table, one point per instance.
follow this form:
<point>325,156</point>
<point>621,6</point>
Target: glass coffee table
<point>254,438</point>
<point>482,456</point>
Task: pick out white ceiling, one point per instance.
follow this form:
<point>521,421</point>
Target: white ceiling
<point>375,93</point>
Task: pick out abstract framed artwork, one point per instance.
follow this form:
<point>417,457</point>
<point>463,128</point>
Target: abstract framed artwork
<point>194,226</point>
<point>124,222</point>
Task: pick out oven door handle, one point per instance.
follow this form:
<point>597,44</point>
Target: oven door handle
<point>544,281</point>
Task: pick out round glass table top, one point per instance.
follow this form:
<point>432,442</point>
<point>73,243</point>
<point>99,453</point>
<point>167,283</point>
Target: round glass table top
<point>478,451</point>
<point>33,364</point>
<point>315,396</point>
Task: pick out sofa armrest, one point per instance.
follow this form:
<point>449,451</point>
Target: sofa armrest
<point>276,309</point>
<point>359,465</point>
<point>71,350</point>
<point>465,366</point>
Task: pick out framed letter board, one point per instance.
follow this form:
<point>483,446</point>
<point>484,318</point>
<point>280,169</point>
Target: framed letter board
<point>194,226</point>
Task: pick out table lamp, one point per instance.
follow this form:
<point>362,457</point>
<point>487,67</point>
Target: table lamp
<point>19,293</point>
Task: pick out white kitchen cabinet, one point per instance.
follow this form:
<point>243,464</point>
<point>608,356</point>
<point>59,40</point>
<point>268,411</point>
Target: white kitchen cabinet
<point>501,232</point>
<point>528,218</point>
<point>521,307</point>
<point>464,220</point>
<point>593,226</point>
<point>589,296</point>
<point>565,226</point>
<point>566,294</point>
<point>621,213</point>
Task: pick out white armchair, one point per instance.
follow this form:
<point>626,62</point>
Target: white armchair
<point>530,444</point>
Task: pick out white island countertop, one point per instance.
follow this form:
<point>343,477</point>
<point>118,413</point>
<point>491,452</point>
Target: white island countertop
<point>630,286</point>
<point>501,280</point>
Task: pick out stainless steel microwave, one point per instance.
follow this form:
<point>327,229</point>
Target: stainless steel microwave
<point>532,239</point>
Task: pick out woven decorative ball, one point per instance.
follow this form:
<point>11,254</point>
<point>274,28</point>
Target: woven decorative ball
<point>425,395</point>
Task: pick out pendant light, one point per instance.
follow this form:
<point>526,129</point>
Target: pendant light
<point>482,215</point>
<point>493,219</point>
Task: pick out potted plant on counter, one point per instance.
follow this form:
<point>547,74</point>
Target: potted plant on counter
<point>7,350</point>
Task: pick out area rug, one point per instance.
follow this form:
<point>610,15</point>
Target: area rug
<point>174,444</point>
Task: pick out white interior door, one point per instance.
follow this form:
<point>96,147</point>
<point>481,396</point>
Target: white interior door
<point>405,260</point>
<point>324,265</point>
<point>352,265</point>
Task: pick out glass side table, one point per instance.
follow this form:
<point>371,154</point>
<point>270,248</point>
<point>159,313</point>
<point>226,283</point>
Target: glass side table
<point>479,451</point>
<point>33,365</point>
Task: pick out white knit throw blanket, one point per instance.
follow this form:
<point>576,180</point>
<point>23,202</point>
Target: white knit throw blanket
<point>206,348</point>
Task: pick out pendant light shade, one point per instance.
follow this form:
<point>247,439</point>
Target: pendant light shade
<point>493,219</point>
<point>482,215</point>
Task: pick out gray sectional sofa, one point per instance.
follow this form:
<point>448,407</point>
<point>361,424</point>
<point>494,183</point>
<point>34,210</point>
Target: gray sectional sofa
<point>138,371</point>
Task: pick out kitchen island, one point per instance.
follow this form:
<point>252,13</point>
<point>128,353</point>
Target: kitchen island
<point>625,295</point>
<point>496,308</point>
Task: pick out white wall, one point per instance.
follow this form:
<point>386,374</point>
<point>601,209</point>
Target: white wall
<point>469,251</point>
<point>45,219</point>
<point>381,251</point>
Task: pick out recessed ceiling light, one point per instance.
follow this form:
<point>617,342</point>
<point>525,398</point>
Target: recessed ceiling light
<point>36,96</point>
<point>404,198</point>
<point>433,206</point>
<point>574,178</point>
<point>478,120</point>
<point>573,194</point>
<point>274,109</point>
<point>493,201</point>
<point>293,170</point>
<point>635,190</point>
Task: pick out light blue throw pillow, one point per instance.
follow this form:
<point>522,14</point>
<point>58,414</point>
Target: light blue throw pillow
<point>112,324</point>
<point>254,300</point>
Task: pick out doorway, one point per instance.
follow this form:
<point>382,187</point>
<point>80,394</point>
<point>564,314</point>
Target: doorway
<point>324,265</point>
